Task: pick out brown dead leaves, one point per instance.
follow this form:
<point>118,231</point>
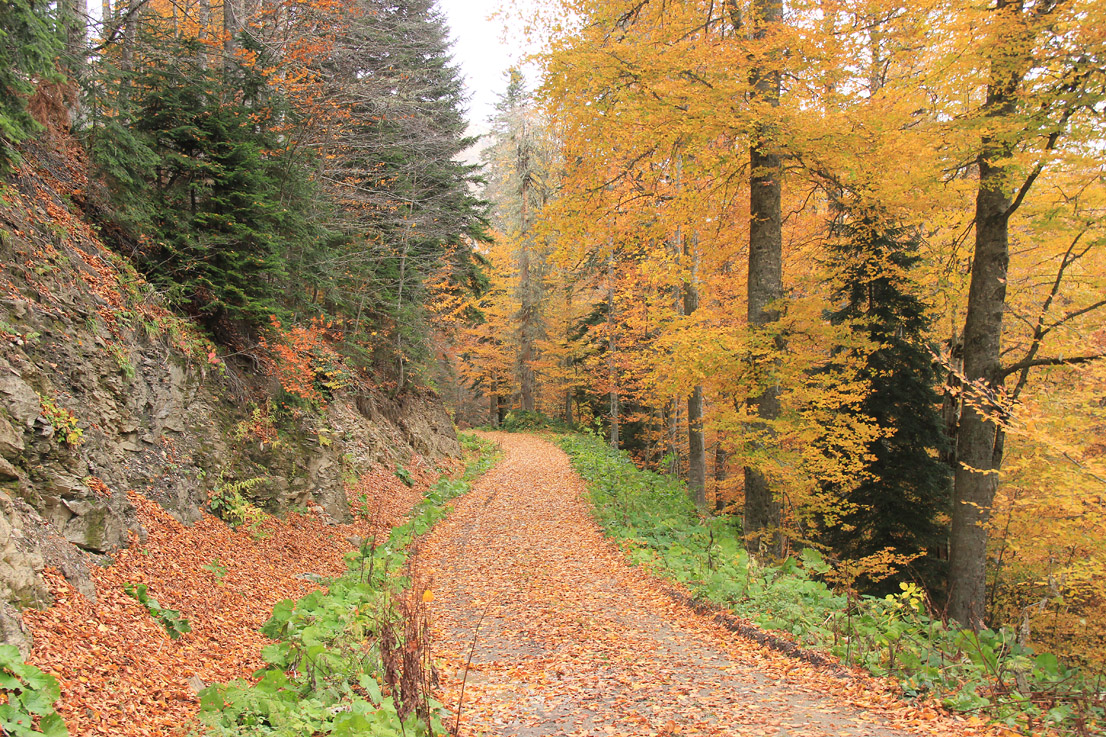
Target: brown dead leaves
<point>120,674</point>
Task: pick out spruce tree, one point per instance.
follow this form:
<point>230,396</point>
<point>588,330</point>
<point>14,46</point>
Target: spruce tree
<point>406,201</point>
<point>216,223</point>
<point>30,41</point>
<point>900,504</point>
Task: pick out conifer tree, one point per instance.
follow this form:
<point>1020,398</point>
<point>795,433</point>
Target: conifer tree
<point>216,219</point>
<point>899,502</point>
<point>405,198</point>
<point>29,43</point>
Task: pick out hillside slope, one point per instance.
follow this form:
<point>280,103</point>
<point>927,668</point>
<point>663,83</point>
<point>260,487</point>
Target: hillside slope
<point>108,399</point>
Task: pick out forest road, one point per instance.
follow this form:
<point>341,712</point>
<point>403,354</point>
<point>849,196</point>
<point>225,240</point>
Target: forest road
<point>571,640</point>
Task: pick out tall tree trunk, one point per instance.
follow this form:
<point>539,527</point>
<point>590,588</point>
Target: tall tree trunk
<point>231,26</point>
<point>204,33</point>
<point>527,297</point>
<point>526,331</point>
<point>493,408</point>
<point>74,17</point>
<point>696,449</point>
<point>721,458</point>
<point>762,509</point>
<point>672,416</point>
<point>978,440</point>
<point>611,368</point>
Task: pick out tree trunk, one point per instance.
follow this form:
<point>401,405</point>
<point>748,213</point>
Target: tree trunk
<point>672,415</point>
<point>696,449</point>
<point>762,509</point>
<point>612,372</point>
<point>527,298</point>
<point>74,15</point>
<point>979,435</point>
<point>231,26</point>
<point>721,458</point>
<point>697,452</point>
<point>494,409</point>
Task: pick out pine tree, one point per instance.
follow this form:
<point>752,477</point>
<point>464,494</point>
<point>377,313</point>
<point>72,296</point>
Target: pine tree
<point>900,503</point>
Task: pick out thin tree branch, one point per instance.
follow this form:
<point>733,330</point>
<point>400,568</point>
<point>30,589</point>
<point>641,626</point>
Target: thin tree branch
<point>1052,361</point>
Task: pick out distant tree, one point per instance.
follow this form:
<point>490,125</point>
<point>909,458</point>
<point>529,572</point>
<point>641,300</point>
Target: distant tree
<point>519,160</point>
<point>405,199</point>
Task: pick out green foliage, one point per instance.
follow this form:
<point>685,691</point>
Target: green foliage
<point>229,503</point>
<point>404,475</point>
<point>122,360</point>
<point>196,173</point>
<point>30,42</point>
<point>29,697</point>
<point>216,568</point>
<point>326,667</point>
<point>522,421</point>
<point>653,518</point>
<point>898,504</point>
<point>62,420</point>
<point>170,619</point>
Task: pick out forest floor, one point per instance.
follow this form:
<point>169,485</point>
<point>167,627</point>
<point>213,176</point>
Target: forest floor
<point>571,640</point>
<point>119,672</point>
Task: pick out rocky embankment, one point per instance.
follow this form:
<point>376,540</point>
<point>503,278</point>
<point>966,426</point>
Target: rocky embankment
<point>103,391</point>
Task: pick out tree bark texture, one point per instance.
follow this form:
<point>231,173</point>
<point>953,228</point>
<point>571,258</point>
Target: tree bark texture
<point>528,300</point>
<point>979,434</point>
<point>762,509</point>
<point>696,449</point>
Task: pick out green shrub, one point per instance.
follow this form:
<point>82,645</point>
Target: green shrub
<point>523,421</point>
<point>29,696</point>
<point>228,502</point>
<point>170,619</point>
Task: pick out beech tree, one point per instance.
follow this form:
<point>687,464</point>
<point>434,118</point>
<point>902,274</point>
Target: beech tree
<point>1043,73</point>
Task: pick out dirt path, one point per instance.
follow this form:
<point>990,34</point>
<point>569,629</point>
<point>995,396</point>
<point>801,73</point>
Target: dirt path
<point>572,641</point>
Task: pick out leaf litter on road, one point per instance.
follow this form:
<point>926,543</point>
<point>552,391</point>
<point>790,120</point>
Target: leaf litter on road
<point>572,640</point>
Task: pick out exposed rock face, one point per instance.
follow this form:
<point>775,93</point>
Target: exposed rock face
<point>92,408</point>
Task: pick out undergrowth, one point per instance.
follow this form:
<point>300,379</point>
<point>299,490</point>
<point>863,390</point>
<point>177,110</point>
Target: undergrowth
<point>352,658</point>
<point>987,673</point>
<point>28,696</point>
<point>175,625</point>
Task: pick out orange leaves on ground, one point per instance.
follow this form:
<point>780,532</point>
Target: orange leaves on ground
<point>570,640</point>
<point>119,671</point>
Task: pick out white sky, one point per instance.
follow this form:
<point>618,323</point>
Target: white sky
<point>482,52</point>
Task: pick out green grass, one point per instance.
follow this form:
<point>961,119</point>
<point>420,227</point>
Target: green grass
<point>988,672</point>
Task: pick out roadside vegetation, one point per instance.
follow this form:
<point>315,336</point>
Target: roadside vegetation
<point>353,657</point>
<point>814,604</point>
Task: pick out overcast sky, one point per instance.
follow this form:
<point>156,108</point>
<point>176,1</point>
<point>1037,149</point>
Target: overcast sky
<point>481,51</point>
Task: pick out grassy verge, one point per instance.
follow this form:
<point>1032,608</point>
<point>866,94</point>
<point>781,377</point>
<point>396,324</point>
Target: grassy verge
<point>352,658</point>
<point>988,673</point>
